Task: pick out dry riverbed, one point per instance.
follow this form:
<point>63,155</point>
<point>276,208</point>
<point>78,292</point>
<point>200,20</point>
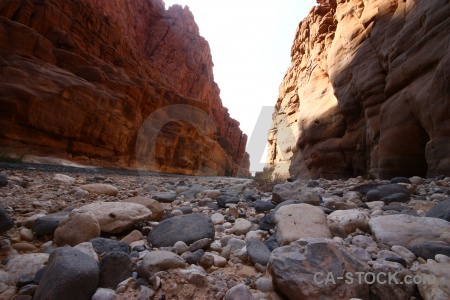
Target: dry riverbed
<point>136,236</point>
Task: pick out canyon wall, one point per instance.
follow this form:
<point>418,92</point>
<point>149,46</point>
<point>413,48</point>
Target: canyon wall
<point>367,93</point>
<point>88,80</point>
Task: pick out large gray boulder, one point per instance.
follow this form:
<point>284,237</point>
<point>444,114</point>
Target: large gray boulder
<point>70,275</point>
<point>302,270</point>
<point>186,228</point>
<point>100,189</point>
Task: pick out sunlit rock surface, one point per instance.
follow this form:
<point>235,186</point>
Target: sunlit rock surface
<point>367,92</point>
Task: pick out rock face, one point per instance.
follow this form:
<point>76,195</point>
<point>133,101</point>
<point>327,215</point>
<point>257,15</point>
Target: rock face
<point>103,82</point>
<point>367,92</point>
<point>101,189</point>
<point>441,211</point>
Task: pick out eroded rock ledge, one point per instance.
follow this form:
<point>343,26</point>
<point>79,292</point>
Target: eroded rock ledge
<point>367,92</point>
<point>78,79</point>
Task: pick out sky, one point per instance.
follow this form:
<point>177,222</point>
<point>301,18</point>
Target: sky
<point>250,44</point>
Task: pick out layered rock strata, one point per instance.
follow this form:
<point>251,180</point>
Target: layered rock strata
<point>84,79</point>
<point>367,92</point>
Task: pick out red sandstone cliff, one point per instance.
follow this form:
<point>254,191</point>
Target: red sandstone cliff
<point>367,93</point>
<point>80,78</point>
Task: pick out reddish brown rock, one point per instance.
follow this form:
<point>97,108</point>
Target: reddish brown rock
<point>367,92</point>
<point>78,79</point>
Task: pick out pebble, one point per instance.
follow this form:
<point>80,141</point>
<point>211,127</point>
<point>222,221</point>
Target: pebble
<point>264,285</point>
<point>64,179</point>
<point>104,294</point>
<point>70,274</point>
<point>440,258</point>
<point>88,249</point>
<point>258,252</point>
<point>176,212</point>
<point>115,267</point>
<point>101,189</point>
<point>253,236</point>
<point>200,244</point>
<point>165,197</point>
<point>24,247</point>
<point>132,237</point>
<point>241,226</point>
<point>145,293</point>
<point>26,235</point>
<point>403,252</point>
<point>77,228</point>
<point>180,247</point>
<point>47,224</point>
<point>217,218</point>
<point>240,292</point>
<point>219,261</point>
<point>207,261</point>
<point>216,246</point>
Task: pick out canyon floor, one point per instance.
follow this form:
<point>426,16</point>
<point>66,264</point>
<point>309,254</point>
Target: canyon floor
<point>73,233</point>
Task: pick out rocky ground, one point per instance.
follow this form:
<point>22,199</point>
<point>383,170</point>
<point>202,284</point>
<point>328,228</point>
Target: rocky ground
<point>77,235</point>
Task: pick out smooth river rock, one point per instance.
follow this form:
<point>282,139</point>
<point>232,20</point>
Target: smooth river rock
<point>70,275</point>
<point>116,217</point>
<point>406,230</point>
<point>186,228</point>
<point>297,221</point>
<point>300,270</point>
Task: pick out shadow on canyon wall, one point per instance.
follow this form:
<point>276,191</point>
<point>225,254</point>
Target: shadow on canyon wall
<point>388,64</point>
